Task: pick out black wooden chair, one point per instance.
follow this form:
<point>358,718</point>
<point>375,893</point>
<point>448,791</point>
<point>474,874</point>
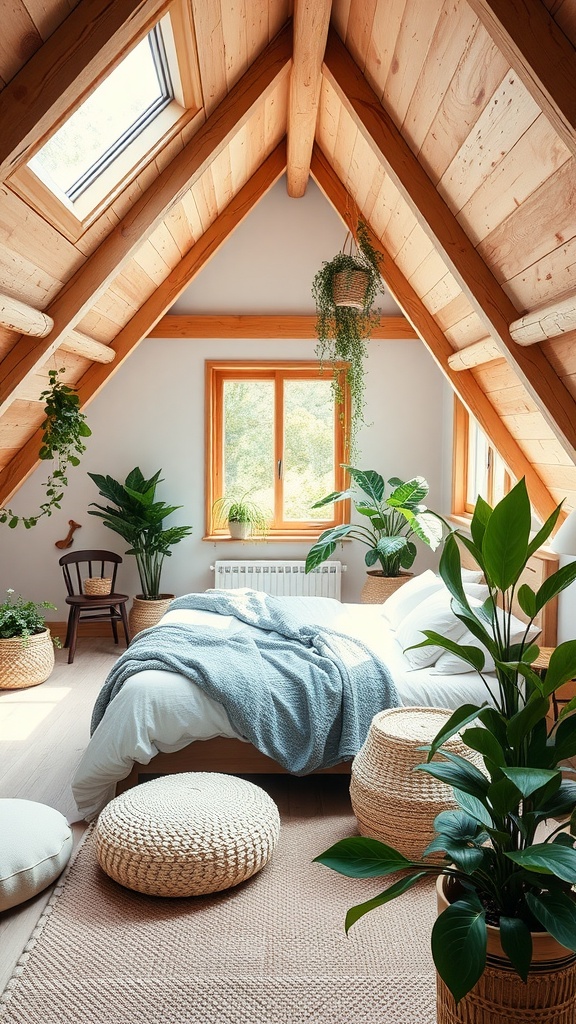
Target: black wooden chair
<point>78,566</point>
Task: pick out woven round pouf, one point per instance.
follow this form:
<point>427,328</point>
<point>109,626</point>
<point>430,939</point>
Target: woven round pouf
<point>185,835</point>
<point>391,801</point>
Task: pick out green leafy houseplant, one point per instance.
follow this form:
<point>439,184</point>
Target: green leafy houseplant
<point>138,518</point>
<point>20,618</point>
<point>345,322</point>
<point>389,522</point>
<point>64,429</point>
<point>499,872</point>
<point>240,509</point>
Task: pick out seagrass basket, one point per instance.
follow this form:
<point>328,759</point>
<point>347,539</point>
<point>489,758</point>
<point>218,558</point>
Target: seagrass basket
<point>349,288</point>
<point>25,662</point>
<point>97,586</point>
<point>378,587</point>
<point>145,613</point>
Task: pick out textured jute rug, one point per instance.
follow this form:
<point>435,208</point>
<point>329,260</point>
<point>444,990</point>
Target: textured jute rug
<point>270,951</point>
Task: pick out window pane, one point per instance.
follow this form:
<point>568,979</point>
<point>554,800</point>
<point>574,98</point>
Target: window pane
<point>123,97</point>
<point>477,464</point>
<point>499,479</point>
<point>309,462</point>
<point>249,440</point>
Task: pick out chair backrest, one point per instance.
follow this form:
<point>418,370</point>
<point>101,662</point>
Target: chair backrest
<point>79,565</point>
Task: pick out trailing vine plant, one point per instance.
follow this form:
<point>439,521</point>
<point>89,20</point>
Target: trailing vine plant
<point>64,429</point>
<point>344,329</point>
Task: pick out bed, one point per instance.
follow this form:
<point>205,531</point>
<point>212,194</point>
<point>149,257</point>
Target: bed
<point>160,722</point>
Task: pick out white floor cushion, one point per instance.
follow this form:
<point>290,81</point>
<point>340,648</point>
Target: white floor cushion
<point>35,846</point>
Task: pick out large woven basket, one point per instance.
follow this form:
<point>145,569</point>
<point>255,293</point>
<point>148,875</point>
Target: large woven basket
<point>144,614</point>
<point>188,834</point>
<point>391,801</point>
<point>97,586</point>
<point>501,997</point>
<point>26,663</point>
<point>378,587</point>
<point>349,288</point>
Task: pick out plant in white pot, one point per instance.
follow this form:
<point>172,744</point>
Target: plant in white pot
<point>243,516</point>
<point>389,527</point>
<point>507,885</point>
<point>26,645</point>
<point>138,517</point>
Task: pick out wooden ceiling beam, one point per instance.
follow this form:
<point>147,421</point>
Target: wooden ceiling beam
<point>92,39</point>
<point>476,354</point>
<point>540,54</point>
<point>143,322</point>
<point>548,321</point>
<point>81,345</point>
<point>274,327</point>
<point>463,382</point>
<point>311,21</point>
<point>478,283</point>
<point>94,277</point>
<point>24,319</point>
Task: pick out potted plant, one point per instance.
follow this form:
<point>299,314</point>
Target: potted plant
<point>138,517</point>
<point>505,888</point>
<point>242,515</point>
<point>345,290</point>
<point>26,646</point>
<point>391,524</point>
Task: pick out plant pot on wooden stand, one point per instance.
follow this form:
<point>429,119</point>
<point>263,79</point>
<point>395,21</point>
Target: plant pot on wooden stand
<point>147,612</point>
<point>26,662</point>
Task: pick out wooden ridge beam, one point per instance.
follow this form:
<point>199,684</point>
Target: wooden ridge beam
<point>545,322</point>
<point>476,354</point>
<point>92,39</point>
<point>94,277</point>
<point>142,323</point>
<point>540,54</point>
<point>24,319</point>
<point>311,21</point>
<point>463,382</point>
<point>488,299</point>
<point>272,327</point>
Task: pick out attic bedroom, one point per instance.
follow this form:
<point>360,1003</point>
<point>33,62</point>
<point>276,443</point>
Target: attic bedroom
<point>203,756</point>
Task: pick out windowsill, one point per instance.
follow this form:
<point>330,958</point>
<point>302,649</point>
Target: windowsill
<point>269,538</point>
<point>463,519</point>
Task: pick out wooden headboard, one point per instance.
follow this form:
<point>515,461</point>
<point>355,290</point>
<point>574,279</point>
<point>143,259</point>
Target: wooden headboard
<point>538,569</point>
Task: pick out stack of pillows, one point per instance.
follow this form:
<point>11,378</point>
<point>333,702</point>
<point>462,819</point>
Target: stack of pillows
<point>424,603</point>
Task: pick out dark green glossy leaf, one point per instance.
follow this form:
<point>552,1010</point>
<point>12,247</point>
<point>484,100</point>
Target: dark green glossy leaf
<point>548,858</point>
<point>486,744</point>
<point>522,723</point>
<point>527,600</point>
<point>529,780</point>
<point>565,739</point>
<point>562,667</point>
<point>557,913</point>
<point>326,545</point>
<point>506,538</point>
<point>555,584</point>
<point>468,780</point>
<point>459,945</point>
<point>463,715</point>
<point>369,481</point>
<point>362,857</point>
<point>544,532</point>
<point>504,797</point>
<point>396,889</point>
<point>517,944</point>
<point>482,513</point>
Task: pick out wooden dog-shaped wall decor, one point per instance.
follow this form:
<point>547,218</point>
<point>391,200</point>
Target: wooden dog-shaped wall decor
<point>69,538</point>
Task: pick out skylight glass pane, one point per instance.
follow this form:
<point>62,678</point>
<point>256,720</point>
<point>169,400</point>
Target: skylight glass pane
<point>107,115</point>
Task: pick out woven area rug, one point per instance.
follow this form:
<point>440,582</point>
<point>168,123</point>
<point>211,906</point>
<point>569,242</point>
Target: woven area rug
<point>270,951</point>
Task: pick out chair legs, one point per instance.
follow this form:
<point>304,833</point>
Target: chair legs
<point>116,612</point>
<point>72,633</point>
<point>125,623</point>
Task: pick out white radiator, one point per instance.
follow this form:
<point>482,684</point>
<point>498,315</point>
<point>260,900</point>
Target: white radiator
<point>282,578</point>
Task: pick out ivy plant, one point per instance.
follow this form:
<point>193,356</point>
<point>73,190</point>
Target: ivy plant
<point>64,430</point>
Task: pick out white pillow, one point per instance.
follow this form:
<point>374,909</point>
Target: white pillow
<point>472,575</point>
<point>433,613</point>
<point>449,664</point>
<point>35,845</point>
<point>409,595</point>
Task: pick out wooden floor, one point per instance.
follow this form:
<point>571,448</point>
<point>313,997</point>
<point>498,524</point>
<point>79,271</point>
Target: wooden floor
<point>43,733</point>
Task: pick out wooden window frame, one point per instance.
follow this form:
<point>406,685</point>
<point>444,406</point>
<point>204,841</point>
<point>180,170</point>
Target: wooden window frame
<point>461,506</point>
<point>219,371</point>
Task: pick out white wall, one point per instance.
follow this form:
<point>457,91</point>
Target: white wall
<point>151,413</point>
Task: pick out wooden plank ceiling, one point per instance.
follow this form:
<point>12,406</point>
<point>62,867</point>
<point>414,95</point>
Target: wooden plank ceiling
<point>448,125</point>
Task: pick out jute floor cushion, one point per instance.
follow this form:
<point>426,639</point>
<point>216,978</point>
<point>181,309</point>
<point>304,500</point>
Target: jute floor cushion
<point>188,834</point>
<point>35,846</point>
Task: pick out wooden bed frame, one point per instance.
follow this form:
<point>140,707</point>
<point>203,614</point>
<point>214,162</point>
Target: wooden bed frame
<point>236,756</point>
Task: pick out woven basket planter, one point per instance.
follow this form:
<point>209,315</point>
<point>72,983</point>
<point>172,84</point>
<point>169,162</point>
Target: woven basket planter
<point>187,834</point>
<point>144,614</point>
<point>97,586</point>
<point>378,587</point>
<point>501,997</point>
<point>27,663</point>
<point>391,801</point>
<point>349,288</point>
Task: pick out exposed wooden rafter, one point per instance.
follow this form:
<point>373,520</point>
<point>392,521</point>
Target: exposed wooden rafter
<point>463,382</point>
<point>545,322</point>
<point>540,54</point>
<point>311,22</point>
<point>84,289</point>
<point>93,38</point>
<point>81,345</point>
<point>142,323</point>
<point>480,352</point>
<point>479,285</point>
<point>263,325</point>
<point>24,319</point>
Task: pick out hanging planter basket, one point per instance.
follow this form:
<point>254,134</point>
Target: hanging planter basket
<point>350,287</point>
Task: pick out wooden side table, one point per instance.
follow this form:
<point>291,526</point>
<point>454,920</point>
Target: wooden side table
<point>568,690</point>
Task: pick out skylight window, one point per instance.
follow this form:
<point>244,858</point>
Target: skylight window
<point>110,119</point>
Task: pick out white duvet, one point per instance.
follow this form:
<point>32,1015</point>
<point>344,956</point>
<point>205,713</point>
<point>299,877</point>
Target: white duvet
<point>158,711</point>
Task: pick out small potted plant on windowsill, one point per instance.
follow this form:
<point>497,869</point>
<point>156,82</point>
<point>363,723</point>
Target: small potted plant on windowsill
<point>243,516</point>
<point>26,645</point>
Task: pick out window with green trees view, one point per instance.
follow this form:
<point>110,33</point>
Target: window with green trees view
<point>275,434</point>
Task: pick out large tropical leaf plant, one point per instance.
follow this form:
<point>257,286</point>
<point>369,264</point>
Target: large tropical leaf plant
<point>499,871</point>
<point>390,523</point>
<point>137,516</point>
